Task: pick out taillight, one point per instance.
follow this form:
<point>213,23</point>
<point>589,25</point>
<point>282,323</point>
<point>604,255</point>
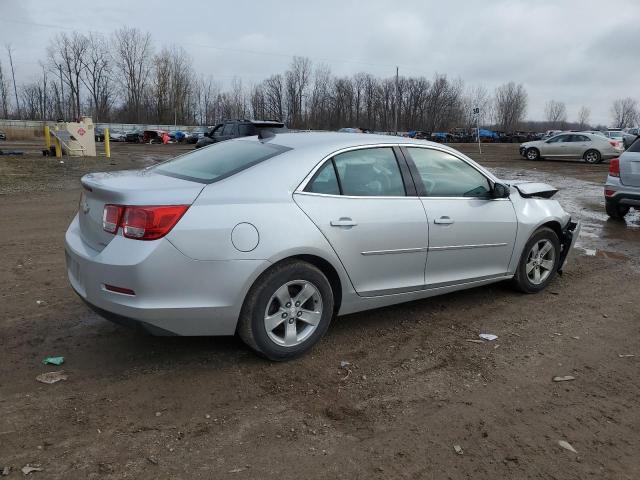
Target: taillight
<point>614,143</point>
<point>111,218</point>
<point>142,223</point>
<point>608,192</point>
<point>614,167</point>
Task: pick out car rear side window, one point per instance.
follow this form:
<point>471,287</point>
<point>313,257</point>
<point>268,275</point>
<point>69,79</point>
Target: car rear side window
<point>369,172</point>
<point>220,160</point>
<point>444,175</point>
<point>325,181</point>
<point>245,129</point>
<point>229,129</point>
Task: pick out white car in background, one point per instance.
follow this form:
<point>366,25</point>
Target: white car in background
<point>587,146</point>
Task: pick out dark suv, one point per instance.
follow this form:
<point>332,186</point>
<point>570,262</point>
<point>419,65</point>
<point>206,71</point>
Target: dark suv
<point>239,128</point>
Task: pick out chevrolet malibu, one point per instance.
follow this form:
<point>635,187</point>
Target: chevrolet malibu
<point>592,148</point>
<point>270,237</point>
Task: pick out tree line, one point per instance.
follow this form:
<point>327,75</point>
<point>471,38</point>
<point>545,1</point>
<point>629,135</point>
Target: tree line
<point>125,78</point>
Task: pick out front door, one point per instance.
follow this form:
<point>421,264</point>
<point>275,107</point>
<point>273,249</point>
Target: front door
<point>555,146</point>
<point>471,234</point>
<point>359,201</point>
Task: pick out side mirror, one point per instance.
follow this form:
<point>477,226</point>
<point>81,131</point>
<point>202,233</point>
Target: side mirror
<point>500,191</point>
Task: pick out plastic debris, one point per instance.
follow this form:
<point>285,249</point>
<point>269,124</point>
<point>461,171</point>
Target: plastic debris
<point>488,336</point>
<point>28,469</point>
<point>53,361</point>
<point>566,378</point>
<point>458,449</point>
<point>626,355</point>
<point>40,302</point>
<point>473,340</point>
<point>52,377</point>
<point>6,471</point>
<point>344,364</point>
<point>567,446</point>
<point>237,470</point>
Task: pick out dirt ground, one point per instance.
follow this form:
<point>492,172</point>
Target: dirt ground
<point>137,406</point>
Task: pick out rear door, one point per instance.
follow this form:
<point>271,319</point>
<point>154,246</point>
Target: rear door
<point>630,165</point>
<point>364,202</point>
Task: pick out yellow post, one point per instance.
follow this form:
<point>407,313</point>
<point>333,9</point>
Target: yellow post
<point>58,147</point>
<point>107,145</point>
<point>47,137</point>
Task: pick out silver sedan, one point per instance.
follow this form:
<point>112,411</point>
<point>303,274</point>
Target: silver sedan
<point>592,148</point>
<point>272,237</point>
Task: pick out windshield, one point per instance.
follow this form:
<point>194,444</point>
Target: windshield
<point>220,160</point>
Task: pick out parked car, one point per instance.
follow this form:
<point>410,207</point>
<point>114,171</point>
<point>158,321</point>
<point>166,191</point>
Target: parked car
<point>239,128</point>
<point>617,136</point>
<point>629,136</point>
<point>197,133</point>
<point>134,136</point>
<point>622,188</point>
<point>117,136</point>
<point>306,226</point>
<point>3,136</point>
<point>591,148</point>
<point>98,133</point>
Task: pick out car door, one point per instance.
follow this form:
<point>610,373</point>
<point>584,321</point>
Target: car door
<point>471,234</point>
<point>554,147</point>
<point>579,145</point>
<point>363,200</point>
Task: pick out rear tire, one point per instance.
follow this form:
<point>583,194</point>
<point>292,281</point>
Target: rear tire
<point>615,210</point>
<point>532,154</point>
<point>539,261</point>
<point>592,156</point>
<point>287,310</point>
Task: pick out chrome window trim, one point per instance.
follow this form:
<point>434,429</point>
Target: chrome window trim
<point>462,247</point>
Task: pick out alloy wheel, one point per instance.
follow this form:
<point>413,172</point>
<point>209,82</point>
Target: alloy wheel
<point>293,313</point>
<point>540,261</point>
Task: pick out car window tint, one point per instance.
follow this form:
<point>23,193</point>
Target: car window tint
<point>635,146</point>
<point>370,172</point>
<point>444,175</point>
<point>219,160</point>
<point>325,181</point>
<point>245,129</point>
<point>558,138</point>
<point>582,138</point>
<point>229,129</point>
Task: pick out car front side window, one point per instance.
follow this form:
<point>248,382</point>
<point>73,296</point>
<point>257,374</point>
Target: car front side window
<point>444,175</point>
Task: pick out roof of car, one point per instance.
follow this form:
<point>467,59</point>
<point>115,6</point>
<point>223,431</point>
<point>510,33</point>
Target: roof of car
<point>337,140</point>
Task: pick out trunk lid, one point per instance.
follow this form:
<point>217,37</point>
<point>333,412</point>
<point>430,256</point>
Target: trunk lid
<point>630,168</point>
<point>131,187</point>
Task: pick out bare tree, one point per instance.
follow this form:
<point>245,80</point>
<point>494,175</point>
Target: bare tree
<point>4,94</point>
<point>274,97</point>
<point>510,106</point>
<point>66,54</point>
<point>584,116</point>
<point>556,113</point>
<point>624,112</point>
<point>297,81</point>
<point>96,76</point>
<point>133,54</point>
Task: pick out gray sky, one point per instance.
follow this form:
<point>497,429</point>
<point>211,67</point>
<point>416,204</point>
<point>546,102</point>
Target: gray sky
<point>579,52</point>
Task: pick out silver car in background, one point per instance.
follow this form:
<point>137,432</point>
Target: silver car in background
<point>622,189</point>
<point>590,147</point>
<point>272,237</point>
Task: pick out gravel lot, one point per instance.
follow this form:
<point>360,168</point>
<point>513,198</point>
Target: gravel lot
<point>136,406</point>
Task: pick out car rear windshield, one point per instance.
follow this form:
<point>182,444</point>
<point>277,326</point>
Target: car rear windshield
<point>220,160</point>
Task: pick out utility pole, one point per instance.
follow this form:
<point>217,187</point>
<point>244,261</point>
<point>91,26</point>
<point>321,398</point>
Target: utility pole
<point>397,101</point>
<point>13,75</point>
<point>476,112</point>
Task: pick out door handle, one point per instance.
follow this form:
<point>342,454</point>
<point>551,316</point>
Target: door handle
<point>343,222</point>
<point>444,220</point>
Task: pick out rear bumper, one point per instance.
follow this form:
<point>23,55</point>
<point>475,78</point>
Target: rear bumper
<point>173,293</point>
<point>623,194</point>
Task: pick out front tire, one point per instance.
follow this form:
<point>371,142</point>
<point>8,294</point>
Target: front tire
<point>539,261</point>
<point>592,156</point>
<point>287,311</point>
<point>615,210</point>
<point>532,154</point>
